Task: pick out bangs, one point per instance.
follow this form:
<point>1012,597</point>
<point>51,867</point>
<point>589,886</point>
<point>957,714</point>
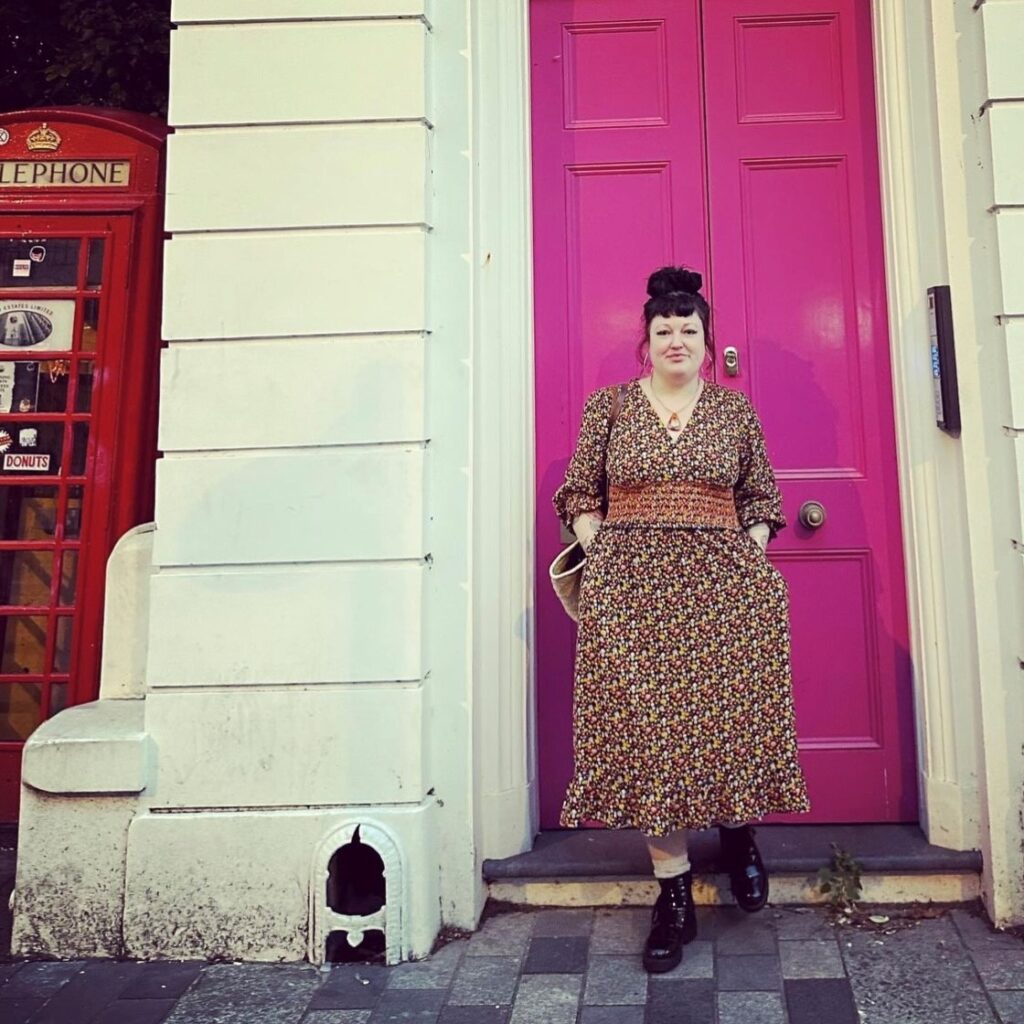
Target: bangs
<point>672,304</point>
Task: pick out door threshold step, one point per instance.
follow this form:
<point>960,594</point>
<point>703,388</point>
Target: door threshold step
<point>610,867</point>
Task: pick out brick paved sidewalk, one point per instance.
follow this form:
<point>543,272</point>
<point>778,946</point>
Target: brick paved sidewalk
<point>574,967</point>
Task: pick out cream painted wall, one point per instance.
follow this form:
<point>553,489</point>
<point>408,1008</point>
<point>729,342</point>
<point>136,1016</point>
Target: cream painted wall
<point>978,73</point>
<point>297,561</point>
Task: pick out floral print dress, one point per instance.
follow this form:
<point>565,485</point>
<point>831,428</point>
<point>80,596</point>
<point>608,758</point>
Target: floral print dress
<point>682,703</point>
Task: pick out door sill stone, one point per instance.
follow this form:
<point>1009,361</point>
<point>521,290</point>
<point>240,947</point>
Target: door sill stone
<point>610,867</point>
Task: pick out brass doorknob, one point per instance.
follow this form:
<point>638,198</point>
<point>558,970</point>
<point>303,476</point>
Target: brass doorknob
<point>732,361</point>
<point>812,514</point>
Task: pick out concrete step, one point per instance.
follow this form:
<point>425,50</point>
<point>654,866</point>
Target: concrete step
<point>610,867</point>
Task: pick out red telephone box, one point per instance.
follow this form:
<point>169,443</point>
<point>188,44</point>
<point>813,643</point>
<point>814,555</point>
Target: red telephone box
<point>81,216</point>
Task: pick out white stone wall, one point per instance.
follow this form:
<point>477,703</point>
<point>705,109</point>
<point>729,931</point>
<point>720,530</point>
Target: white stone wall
<point>1004,110</point>
<point>979,84</point>
<point>312,398</point>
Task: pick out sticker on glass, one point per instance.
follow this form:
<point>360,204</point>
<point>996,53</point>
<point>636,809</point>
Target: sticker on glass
<point>21,268</point>
<point>7,371</point>
<point>37,253</point>
<point>28,438</point>
<point>5,440</point>
<point>47,326</point>
<point>24,463</point>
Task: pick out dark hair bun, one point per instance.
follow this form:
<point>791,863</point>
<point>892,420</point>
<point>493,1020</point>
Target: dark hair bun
<point>673,279</point>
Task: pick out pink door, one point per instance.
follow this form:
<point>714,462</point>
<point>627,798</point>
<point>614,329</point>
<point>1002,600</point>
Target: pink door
<point>736,136</point>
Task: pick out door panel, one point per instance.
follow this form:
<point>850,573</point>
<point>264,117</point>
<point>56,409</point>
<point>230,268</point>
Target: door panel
<point>736,136</point>
<point>798,272</point>
<point>619,189</point>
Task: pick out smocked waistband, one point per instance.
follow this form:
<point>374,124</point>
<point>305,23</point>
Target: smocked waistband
<point>673,503</point>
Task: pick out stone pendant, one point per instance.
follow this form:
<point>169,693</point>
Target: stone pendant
<point>673,422</point>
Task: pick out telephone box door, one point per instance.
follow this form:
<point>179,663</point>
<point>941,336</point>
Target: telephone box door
<point>66,420</point>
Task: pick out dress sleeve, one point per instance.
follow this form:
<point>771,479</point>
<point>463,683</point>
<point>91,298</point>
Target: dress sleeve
<point>758,499</point>
<point>582,489</point>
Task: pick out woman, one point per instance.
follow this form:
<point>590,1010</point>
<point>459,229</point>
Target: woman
<point>683,706</point>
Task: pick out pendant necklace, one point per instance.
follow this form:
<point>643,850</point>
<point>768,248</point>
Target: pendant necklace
<point>674,424</point>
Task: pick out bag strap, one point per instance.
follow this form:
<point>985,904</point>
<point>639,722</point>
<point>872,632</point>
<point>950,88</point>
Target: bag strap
<point>617,402</point>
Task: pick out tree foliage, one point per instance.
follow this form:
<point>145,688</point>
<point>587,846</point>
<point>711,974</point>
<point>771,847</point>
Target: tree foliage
<point>111,53</point>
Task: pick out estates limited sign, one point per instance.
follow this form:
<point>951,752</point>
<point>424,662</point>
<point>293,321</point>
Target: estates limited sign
<point>65,173</point>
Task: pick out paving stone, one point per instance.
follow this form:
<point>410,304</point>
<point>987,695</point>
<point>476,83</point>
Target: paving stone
<point>256,1013</point>
<point>814,1000</point>
<point>474,1015</point>
<point>547,999</point>
<point>416,1006</point>
<point>1009,1006</point>
<point>7,972</point>
<point>755,972</point>
<point>612,1015</point>
<point>40,979</point>
<point>698,962</point>
<point>18,1011</point>
<point>550,955</point>
<point>711,919</point>
<point>1000,968</point>
<point>164,979</point>
<point>563,923</point>
<point>337,1017</point>
<point>232,984</point>
<point>248,994</point>
<point>750,1008</point>
<point>748,933</point>
<point>691,1001</point>
<point>133,1011</point>
<point>918,975</point>
<point>436,971</point>
<point>977,932</point>
<point>350,987</point>
<point>485,981</point>
<point>620,931</point>
<point>503,934</point>
<point>87,992</point>
<point>615,980</point>
<point>800,923</point>
<point>811,958</point>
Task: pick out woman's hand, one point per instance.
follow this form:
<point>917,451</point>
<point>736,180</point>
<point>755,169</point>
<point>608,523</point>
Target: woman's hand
<point>585,526</point>
<point>760,532</point>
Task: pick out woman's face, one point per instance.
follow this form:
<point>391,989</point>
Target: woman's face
<point>677,345</point>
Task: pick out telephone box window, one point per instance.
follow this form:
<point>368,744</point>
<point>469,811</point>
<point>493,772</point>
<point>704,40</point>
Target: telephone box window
<point>20,710</point>
<point>27,513</point>
<point>90,324</point>
<point>39,262</point>
<point>62,646</point>
<point>22,645</point>
<point>79,449</point>
<point>25,578</point>
<point>68,577</point>
<point>94,267</point>
<point>58,698</point>
<point>73,514</point>
<point>83,396</point>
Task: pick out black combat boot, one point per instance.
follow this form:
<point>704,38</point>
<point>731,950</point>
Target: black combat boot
<point>742,860</point>
<point>673,924</point>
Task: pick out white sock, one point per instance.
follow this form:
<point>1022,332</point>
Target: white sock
<point>669,867</point>
<point>669,854</point>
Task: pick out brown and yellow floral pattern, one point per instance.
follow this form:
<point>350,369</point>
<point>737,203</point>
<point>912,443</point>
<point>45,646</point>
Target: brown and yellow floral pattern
<point>683,704</point>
